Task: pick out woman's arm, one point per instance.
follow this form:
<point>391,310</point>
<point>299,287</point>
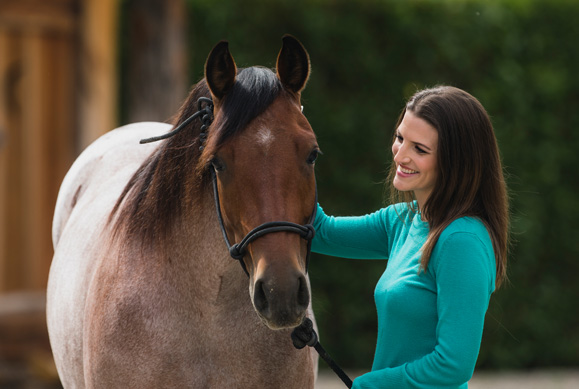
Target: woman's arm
<point>464,273</point>
<point>361,237</point>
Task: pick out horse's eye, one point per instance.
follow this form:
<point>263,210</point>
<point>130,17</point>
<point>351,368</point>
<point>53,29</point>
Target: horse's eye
<point>313,156</point>
<point>217,164</point>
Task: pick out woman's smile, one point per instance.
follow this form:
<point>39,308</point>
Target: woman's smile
<point>414,151</point>
<point>405,172</point>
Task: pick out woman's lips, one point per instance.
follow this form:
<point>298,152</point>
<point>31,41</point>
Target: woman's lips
<point>405,172</point>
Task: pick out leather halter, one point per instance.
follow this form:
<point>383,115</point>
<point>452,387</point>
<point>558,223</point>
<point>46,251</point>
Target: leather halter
<point>238,250</point>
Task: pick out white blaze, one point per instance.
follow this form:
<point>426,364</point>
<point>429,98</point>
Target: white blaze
<point>265,138</point>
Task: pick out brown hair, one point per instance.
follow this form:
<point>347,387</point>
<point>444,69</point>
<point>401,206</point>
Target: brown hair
<point>470,178</point>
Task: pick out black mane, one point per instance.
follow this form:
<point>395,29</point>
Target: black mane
<point>175,174</point>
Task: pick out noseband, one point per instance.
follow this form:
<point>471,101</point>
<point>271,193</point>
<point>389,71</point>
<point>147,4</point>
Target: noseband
<point>238,250</point>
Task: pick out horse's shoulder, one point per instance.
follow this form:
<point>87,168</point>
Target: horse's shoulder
<point>105,166</point>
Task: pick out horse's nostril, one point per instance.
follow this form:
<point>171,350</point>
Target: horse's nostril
<point>259,297</point>
<point>281,302</point>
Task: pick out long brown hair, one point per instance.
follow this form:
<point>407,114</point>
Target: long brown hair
<point>470,178</point>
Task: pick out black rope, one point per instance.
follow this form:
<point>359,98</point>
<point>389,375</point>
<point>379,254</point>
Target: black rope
<point>305,335</point>
<point>306,232</point>
<point>238,250</point>
<point>206,115</point>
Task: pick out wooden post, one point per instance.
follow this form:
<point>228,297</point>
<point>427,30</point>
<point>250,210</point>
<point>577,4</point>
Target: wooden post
<point>37,246</point>
<point>10,160</point>
<point>39,74</point>
<point>97,97</point>
<point>63,92</point>
<point>4,69</point>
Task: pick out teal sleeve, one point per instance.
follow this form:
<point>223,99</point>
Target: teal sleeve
<point>464,276</point>
<point>360,237</point>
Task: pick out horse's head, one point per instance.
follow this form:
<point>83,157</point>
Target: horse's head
<point>265,173</point>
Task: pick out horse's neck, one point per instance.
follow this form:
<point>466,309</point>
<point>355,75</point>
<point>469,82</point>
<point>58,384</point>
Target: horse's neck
<point>198,244</point>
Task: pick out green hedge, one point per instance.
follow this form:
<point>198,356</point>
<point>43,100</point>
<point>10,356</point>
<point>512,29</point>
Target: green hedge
<point>520,58</point>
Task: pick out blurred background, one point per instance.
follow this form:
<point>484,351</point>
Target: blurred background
<point>71,70</point>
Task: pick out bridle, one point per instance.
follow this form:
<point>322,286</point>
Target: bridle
<point>238,250</point>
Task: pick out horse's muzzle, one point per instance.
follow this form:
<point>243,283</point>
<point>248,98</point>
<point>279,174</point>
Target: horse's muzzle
<point>281,302</point>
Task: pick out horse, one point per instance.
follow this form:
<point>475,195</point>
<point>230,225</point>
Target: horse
<point>142,290</point>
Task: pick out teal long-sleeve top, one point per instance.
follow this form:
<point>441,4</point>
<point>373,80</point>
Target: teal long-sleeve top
<point>430,323</point>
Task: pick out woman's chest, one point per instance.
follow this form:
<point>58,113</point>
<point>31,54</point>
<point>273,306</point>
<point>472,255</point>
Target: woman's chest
<point>403,291</point>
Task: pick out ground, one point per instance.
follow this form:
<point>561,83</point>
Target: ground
<point>544,379</point>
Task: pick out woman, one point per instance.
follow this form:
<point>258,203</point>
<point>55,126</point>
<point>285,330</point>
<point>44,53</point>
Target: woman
<point>446,243</point>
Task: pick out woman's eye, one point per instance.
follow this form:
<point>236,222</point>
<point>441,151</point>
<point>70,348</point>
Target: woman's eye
<point>313,156</point>
<point>399,138</point>
<point>420,151</point>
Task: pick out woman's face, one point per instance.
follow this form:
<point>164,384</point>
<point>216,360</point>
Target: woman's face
<point>414,152</point>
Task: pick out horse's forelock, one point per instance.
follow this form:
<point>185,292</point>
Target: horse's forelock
<point>253,92</point>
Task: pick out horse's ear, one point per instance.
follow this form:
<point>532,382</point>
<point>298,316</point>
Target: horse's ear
<point>220,70</point>
<point>293,64</point>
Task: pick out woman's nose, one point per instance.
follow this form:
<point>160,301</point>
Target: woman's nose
<point>400,154</point>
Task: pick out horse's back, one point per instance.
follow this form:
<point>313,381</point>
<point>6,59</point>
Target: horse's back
<point>105,163</point>
<point>86,197</point>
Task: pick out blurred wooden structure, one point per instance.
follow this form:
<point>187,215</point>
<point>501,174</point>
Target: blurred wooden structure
<point>58,92</point>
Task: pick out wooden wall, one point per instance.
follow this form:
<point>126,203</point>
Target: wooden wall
<point>57,94</point>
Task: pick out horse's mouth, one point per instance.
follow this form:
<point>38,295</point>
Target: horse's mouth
<point>282,323</point>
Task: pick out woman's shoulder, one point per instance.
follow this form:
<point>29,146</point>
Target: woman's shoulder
<point>467,234</point>
<point>466,225</point>
<point>465,247</point>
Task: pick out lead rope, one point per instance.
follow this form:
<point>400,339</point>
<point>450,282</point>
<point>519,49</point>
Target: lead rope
<point>304,334</point>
